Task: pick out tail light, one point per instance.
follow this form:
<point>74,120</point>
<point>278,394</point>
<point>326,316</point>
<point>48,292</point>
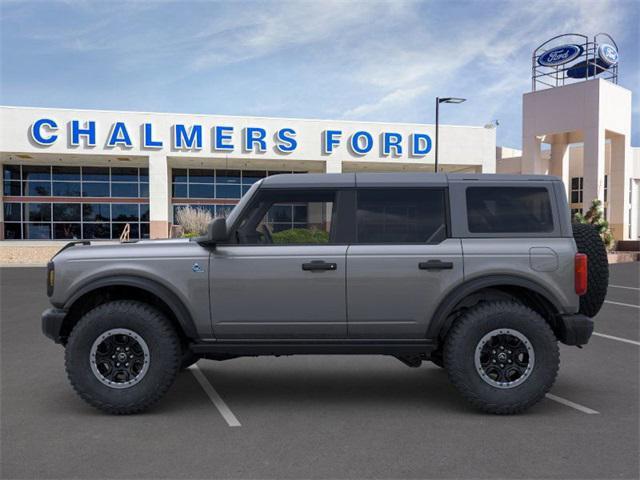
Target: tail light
<point>581,273</point>
<point>51,278</point>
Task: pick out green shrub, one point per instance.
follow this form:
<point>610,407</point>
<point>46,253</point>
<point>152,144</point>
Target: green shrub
<point>595,217</point>
<point>301,235</point>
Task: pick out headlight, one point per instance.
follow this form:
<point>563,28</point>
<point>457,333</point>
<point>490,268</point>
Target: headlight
<point>51,278</point>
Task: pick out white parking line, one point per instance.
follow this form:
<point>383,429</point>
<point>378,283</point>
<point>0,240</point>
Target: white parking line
<point>222,407</point>
<point>622,286</point>
<point>622,304</point>
<point>619,339</point>
<point>571,404</point>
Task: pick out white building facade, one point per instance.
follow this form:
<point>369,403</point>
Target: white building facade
<point>87,174</point>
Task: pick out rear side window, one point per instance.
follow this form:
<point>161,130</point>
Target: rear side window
<point>509,210</point>
<point>401,216</point>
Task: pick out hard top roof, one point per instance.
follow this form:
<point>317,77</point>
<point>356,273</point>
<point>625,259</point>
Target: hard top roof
<point>393,179</point>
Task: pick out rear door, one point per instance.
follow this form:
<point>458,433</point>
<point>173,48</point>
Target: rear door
<point>401,262</point>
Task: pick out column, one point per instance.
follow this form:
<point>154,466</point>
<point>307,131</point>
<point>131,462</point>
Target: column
<point>531,156</point>
<point>1,207</point>
<point>559,162</point>
<point>593,164</point>
<point>618,190</point>
<point>159,197</point>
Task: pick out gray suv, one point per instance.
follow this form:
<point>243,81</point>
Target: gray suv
<point>479,274</point>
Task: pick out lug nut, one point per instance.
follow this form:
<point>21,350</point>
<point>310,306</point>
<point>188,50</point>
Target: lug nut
<point>113,356</point>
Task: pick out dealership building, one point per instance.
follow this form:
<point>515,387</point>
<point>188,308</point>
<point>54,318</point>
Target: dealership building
<point>90,174</point>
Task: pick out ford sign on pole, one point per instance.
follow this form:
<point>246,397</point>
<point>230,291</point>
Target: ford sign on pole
<point>560,55</point>
<point>608,54</point>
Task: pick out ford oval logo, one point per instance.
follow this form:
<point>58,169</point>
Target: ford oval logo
<point>560,55</point>
<point>608,54</point>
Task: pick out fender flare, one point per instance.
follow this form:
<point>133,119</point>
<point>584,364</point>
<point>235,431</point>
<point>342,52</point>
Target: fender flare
<point>177,307</point>
<point>439,322</point>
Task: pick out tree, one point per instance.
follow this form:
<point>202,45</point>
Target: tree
<point>595,217</point>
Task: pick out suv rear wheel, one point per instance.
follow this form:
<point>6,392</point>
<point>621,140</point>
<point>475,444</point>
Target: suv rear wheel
<point>123,356</point>
<point>502,356</point>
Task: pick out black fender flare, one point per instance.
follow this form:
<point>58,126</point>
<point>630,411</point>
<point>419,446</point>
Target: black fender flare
<point>439,323</point>
<point>177,307</point>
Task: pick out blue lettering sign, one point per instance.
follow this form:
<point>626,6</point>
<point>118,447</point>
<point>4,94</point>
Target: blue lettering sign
<point>331,138</point>
<point>286,140</point>
<point>147,138</point>
<point>119,136</point>
<point>391,140</point>
<point>89,131</point>
<point>255,136</point>
<point>37,134</point>
<point>358,147</point>
<point>420,144</point>
<point>186,139</point>
<point>222,137</point>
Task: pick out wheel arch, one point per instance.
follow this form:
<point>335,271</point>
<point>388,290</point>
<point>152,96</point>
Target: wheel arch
<point>130,287</point>
<point>525,290</point>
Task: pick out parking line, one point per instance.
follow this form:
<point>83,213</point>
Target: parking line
<point>622,304</point>
<point>622,286</point>
<point>222,407</point>
<point>571,404</point>
<point>619,339</point>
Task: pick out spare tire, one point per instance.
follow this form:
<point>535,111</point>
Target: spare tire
<point>589,242</point>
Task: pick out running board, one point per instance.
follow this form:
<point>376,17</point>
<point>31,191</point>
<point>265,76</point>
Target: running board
<point>313,347</point>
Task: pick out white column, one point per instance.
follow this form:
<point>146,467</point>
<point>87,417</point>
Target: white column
<point>159,197</point>
<point>619,186</point>
<point>559,162</point>
<point>593,166</point>
<point>531,155</point>
<point>333,166</point>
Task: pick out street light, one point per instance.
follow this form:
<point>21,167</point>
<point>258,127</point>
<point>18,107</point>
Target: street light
<point>438,102</point>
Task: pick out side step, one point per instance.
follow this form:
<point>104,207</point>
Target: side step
<point>313,347</point>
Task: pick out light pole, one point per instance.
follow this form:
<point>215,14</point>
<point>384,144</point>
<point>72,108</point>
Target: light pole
<point>438,102</point>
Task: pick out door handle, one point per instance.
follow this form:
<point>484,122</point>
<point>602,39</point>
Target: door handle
<point>435,265</point>
<point>319,266</point>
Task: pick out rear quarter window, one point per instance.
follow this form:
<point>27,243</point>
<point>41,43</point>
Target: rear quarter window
<point>509,210</point>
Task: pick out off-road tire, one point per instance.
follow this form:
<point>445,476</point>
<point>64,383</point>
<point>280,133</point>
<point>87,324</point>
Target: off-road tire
<point>188,359</point>
<point>459,354</point>
<point>164,356</point>
<point>589,242</point>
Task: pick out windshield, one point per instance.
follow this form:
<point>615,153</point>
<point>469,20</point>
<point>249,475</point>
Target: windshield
<point>233,215</point>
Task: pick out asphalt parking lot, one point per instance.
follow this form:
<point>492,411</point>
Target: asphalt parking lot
<point>320,417</point>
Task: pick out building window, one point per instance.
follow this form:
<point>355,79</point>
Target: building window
<point>576,189</point>
<point>63,212</point>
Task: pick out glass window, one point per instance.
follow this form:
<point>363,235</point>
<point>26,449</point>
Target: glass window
<point>401,216</point>
<point>67,230</point>
<point>96,212</point>
<point>576,189</point>
<point>37,189</point>
<point>11,172</point>
<point>37,212</point>
<point>66,173</point>
<point>509,210</point>
<point>179,175</point>
<point>95,174</point>
<point>95,189</point>
<point>13,231</point>
<point>227,176</point>
<point>226,191</point>
<point>96,230</point>
<point>12,212</point>
<point>124,190</point>
<point>179,190</point>
<point>144,212</point>
<point>36,172</point>
<point>12,189</point>
<point>117,229</point>
<point>120,174</point>
<point>144,190</point>
<point>275,211</point>
<point>197,190</point>
<point>199,175</point>
<point>144,174</point>
<point>66,212</point>
<point>250,177</point>
<point>144,230</point>
<point>66,189</point>
<point>124,212</point>
<point>37,231</point>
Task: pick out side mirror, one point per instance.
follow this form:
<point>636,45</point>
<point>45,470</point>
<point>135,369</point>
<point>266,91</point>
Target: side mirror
<point>217,230</point>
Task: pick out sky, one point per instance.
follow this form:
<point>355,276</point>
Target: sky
<point>351,60</point>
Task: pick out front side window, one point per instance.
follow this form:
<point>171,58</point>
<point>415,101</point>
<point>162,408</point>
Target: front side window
<point>289,218</point>
<point>509,210</point>
<point>401,216</point>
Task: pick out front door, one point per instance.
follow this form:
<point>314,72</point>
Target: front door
<point>285,277</point>
<point>401,262</point>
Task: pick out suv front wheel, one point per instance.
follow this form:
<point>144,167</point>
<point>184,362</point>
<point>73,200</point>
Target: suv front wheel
<point>502,356</point>
<point>123,356</point>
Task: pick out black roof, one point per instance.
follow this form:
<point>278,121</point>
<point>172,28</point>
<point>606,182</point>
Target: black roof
<point>401,179</point>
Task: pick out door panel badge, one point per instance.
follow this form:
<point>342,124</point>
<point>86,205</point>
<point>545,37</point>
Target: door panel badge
<point>196,268</point>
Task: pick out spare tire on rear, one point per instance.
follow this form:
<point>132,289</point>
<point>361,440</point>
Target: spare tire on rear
<point>589,242</point>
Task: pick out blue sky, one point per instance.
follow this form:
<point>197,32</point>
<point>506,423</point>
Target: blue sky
<point>369,60</point>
